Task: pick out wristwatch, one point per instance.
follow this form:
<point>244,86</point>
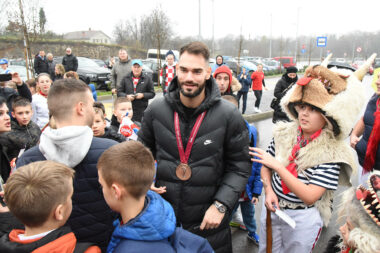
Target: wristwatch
<point>221,208</point>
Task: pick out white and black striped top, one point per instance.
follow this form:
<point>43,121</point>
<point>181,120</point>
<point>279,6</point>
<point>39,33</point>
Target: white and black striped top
<point>325,175</point>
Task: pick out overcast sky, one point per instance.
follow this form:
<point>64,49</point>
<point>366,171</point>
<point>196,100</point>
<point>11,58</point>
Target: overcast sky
<point>316,17</point>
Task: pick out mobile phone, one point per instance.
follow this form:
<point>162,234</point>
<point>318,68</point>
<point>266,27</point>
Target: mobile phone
<point>5,77</point>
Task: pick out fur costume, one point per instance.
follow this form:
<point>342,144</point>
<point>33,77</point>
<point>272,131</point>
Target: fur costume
<point>362,208</point>
<point>340,99</point>
<point>235,84</point>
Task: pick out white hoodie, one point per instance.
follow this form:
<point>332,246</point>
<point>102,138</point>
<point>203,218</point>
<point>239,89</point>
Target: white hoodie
<point>67,145</point>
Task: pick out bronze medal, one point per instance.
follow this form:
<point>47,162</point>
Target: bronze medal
<point>183,171</point>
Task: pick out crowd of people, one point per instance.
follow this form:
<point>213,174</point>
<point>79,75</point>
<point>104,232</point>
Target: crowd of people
<point>170,175</point>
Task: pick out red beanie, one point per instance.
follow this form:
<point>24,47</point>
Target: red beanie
<point>224,69</point>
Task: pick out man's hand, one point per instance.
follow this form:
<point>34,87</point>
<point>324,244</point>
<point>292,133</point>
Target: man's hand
<point>131,97</point>
<point>16,78</point>
<point>114,91</point>
<point>212,218</point>
<point>159,190</point>
<point>354,140</point>
<point>255,200</point>
<point>265,88</point>
<point>139,95</point>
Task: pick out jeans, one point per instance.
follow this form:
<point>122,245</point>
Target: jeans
<point>248,213</point>
<point>245,95</point>
<point>258,95</point>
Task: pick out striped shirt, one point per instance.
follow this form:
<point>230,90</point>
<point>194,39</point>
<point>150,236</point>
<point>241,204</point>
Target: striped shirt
<point>325,175</point>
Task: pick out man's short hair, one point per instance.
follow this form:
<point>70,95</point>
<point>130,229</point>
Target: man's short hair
<point>231,99</point>
<point>31,83</point>
<point>71,74</point>
<point>100,105</point>
<point>129,164</point>
<point>34,190</point>
<point>120,100</point>
<point>99,111</point>
<point>197,48</point>
<point>64,95</point>
<point>20,101</point>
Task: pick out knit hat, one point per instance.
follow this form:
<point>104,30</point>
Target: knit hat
<point>362,207</point>
<point>291,70</point>
<point>224,69</point>
<point>340,97</point>
<point>170,52</point>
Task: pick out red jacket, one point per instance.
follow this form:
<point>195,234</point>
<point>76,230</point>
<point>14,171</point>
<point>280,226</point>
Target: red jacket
<point>257,80</point>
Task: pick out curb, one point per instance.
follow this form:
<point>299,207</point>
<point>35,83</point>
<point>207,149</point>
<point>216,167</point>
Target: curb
<point>258,116</point>
<point>105,97</point>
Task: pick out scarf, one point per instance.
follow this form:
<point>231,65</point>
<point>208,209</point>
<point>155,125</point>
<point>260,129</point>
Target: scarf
<point>373,142</point>
<point>43,94</point>
<point>301,142</point>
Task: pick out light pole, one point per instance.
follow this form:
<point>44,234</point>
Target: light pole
<point>199,15</point>
<point>296,49</point>
<point>270,37</point>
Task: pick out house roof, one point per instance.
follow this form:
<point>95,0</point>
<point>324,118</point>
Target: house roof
<point>84,35</point>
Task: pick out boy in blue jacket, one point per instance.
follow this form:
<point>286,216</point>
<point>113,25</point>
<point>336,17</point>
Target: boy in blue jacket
<point>148,223</point>
<point>250,196</point>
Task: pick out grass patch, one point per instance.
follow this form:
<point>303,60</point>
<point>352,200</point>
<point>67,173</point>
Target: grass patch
<point>103,93</point>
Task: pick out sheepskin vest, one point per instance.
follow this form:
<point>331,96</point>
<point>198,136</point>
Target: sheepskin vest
<point>324,149</point>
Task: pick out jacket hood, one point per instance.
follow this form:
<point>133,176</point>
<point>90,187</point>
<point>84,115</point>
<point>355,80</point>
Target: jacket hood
<point>212,96</point>
<point>67,145</point>
<point>287,79</point>
<point>235,84</point>
<point>156,222</point>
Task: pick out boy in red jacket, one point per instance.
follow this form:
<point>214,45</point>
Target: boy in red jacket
<point>257,86</point>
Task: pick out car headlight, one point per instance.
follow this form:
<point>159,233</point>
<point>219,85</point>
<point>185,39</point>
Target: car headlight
<point>92,76</point>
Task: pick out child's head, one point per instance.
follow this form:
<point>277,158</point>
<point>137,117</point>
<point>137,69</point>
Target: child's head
<point>22,111</point>
<point>71,74</point>
<point>125,171</point>
<point>100,105</point>
<point>44,83</point>
<point>361,217</point>
<point>121,106</point>
<point>59,69</point>
<point>40,193</point>
<point>310,118</point>
<point>99,125</point>
<point>32,85</point>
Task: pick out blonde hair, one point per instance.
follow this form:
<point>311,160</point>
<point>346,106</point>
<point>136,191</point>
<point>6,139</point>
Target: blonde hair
<point>120,100</point>
<point>34,190</point>
<point>61,69</point>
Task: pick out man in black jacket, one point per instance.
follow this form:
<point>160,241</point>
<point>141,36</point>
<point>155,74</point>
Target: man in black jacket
<point>70,102</point>
<point>10,94</point>
<point>70,61</point>
<point>41,63</point>
<point>138,88</point>
<point>202,185</point>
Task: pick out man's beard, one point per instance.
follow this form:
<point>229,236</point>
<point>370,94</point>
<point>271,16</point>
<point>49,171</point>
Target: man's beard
<point>194,93</point>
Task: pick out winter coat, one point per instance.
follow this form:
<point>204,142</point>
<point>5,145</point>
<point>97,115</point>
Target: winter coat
<point>91,219</point>
<point>219,158</point>
<point>254,185</point>
<point>41,65</point>
<point>145,86</point>
<point>245,83</point>
<point>59,240</point>
<point>51,69</point>
<point>40,110</point>
<point>10,94</point>
<point>70,62</point>
<point>20,137</point>
<point>154,230</point>
<point>119,71</point>
<point>5,168</point>
<point>110,133</point>
<point>369,120</point>
<point>279,92</point>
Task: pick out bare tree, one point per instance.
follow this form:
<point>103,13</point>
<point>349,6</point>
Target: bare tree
<point>42,20</point>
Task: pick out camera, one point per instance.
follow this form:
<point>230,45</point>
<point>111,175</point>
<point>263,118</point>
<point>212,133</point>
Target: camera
<point>5,77</point>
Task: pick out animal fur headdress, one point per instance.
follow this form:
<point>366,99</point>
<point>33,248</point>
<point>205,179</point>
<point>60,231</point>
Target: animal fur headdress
<point>362,208</point>
<point>339,96</point>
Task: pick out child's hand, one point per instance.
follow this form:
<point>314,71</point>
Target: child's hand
<point>255,200</point>
<point>131,97</point>
<point>265,158</point>
<point>159,190</point>
<point>271,200</point>
<point>354,140</point>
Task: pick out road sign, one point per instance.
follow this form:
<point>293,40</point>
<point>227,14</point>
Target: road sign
<point>359,49</point>
<point>321,41</point>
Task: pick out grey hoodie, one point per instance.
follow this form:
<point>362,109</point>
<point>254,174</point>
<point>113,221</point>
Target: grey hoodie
<point>119,71</point>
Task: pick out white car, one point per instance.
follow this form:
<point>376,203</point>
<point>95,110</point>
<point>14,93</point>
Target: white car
<point>340,60</point>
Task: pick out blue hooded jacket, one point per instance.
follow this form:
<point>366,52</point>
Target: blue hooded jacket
<point>254,185</point>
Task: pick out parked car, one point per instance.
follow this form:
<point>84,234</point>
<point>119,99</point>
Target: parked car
<point>342,60</point>
<point>100,63</point>
<point>21,70</point>
<point>376,63</point>
<point>154,66</point>
<point>357,64</point>
<point>233,65</point>
<point>286,61</point>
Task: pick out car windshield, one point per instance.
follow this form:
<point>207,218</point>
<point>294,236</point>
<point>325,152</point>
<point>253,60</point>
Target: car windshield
<point>286,60</point>
<point>84,62</point>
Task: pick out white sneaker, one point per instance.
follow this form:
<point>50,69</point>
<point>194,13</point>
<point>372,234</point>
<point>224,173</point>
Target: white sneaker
<point>257,110</point>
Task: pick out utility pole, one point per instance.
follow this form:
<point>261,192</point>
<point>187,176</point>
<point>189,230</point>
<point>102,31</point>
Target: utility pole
<point>213,26</point>
<point>199,16</point>
<point>296,49</point>
<point>26,40</point>
<point>270,37</point>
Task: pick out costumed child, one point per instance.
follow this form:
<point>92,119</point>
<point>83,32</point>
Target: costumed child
<point>39,100</point>
<point>360,210</point>
<point>308,157</point>
<point>250,197</point>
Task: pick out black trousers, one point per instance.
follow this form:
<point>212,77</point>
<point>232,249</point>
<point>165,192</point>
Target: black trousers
<point>245,96</point>
<point>258,95</point>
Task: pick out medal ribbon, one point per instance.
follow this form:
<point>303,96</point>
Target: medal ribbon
<point>184,155</point>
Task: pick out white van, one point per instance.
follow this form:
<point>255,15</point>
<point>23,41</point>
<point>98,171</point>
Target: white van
<point>152,54</point>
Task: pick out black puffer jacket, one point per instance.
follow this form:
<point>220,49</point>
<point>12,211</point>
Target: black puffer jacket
<point>145,86</point>
<point>20,137</point>
<point>70,62</point>
<point>10,94</point>
<point>279,92</point>
<point>41,65</point>
<point>219,158</point>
